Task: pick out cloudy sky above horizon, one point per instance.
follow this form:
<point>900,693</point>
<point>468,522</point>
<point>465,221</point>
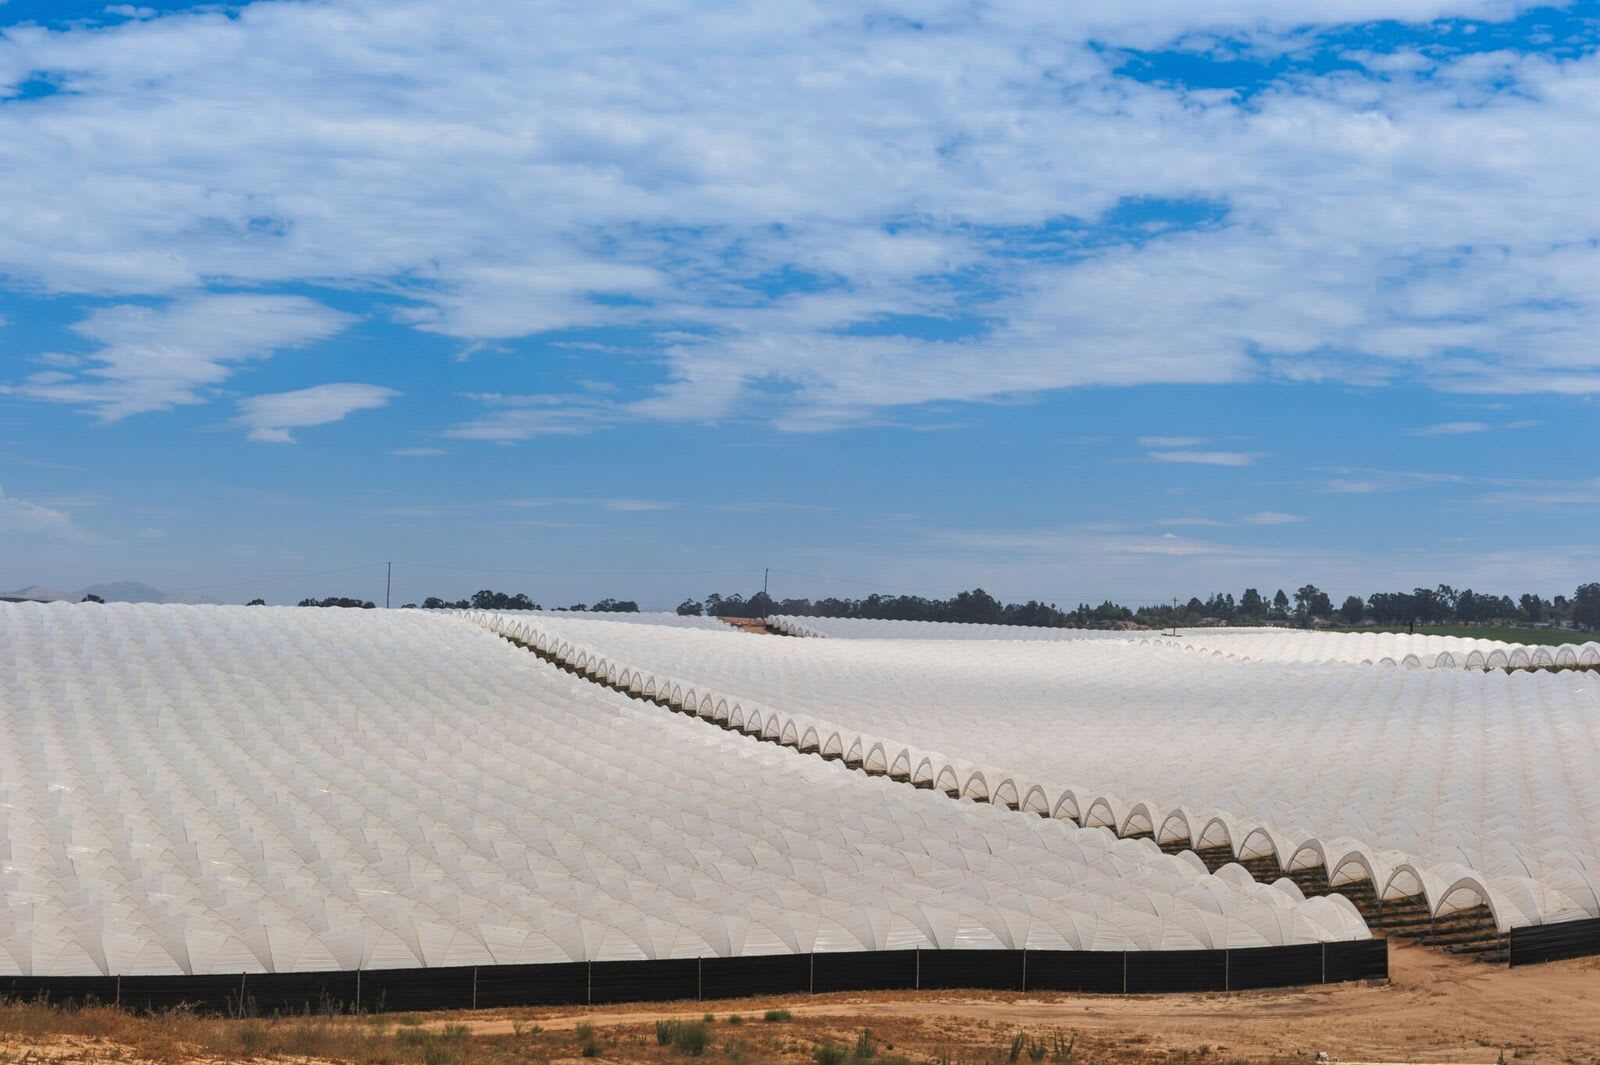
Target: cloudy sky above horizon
<point>1069,301</point>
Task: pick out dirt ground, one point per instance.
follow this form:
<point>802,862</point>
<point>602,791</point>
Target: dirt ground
<point>1435,1009</point>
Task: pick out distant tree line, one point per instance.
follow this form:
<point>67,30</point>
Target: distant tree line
<point>492,600</point>
<point>1308,605</point>
<point>485,599</point>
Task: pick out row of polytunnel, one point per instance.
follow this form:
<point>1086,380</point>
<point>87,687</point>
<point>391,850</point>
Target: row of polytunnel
<point>894,629</point>
<point>193,790</point>
<point>1464,788</point>
<point>1257,643</point>
<point>1407,650</point>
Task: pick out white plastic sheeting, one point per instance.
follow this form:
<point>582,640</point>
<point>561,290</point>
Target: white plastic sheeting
<point>229,789</point>
<point>1466,787</point>
<point>1383,648</point>
<point>630,617</point>
<point>885,629</point>
<point>1259,643</point>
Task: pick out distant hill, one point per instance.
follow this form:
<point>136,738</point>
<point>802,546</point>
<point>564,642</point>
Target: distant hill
<point>138,592</point>
<point>39,593</point>
<point>110,591</point>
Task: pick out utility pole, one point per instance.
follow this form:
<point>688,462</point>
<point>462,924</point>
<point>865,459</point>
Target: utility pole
<point>1174,631</point>
<point>388,582</point>
<point>764,575</point>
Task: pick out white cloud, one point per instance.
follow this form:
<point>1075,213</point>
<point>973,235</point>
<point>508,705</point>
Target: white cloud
<point>541,167</point>
<point>1369,481</point>
<point>1271,517</point>
<point>613,504</point>
<point>1582,494</point>
<point>1467,428</point>
<point>417,452</point>
<point>1207,458</point>
<point>270,417</point>
<point>21,516</point>
<point>1072,539</point>
<point>1452,429</point>
<point>1171,441</point>
<point>520,417</point>
<point>153,358</point>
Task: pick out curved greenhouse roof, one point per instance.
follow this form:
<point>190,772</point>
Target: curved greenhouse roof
<point>1260,643</point>
<point>887,629</point>
<point>190,789</point>
<point>1464,787</point>
<point>634,617</point>
<point>1384,648</point>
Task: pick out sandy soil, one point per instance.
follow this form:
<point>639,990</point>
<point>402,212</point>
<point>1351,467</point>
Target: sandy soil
<point>1436,1009</point>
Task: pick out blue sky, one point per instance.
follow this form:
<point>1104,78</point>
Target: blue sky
<point>1130,301</point>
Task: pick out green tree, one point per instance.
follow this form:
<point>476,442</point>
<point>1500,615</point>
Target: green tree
<point>1312,601</point>
<point>1353,610</point>
<point>1280,604</point>
<point>1533,608</point>
<point>1586,606</point>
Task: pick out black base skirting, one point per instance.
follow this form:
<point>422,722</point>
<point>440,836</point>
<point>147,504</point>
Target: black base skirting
<point>1532,944</point>
<point>1109,972</point>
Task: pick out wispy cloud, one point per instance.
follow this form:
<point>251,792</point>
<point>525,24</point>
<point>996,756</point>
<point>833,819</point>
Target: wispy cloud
<point>1171,441</point>
<point>510,418</point>
<point>417,452</point>
<point>1195,522</point>
<point>1452,429</point>
<point>614,504</point>
<point>1105,546</point>
<point>1271,517</point>
<point>1468,428</point>
<point>1538,495</point>
<point>154,358</point>
<point>1351,481</point>
<point>1169,544</point>
<point>1207,458</point>
<point>22,516</point>
<point>270,417</point>
<point>568,202</point>
<point>760,506</point>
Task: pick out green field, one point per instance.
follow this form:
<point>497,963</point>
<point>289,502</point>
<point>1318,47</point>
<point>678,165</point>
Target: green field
<point>1503,633</point>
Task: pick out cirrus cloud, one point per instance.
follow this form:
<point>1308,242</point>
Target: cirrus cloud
<point>152,358</point>
<point>1207,458</point>
<point>270,417</point>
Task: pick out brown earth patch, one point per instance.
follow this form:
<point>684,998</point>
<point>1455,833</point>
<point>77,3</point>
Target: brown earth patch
<point>1435,1009</point>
